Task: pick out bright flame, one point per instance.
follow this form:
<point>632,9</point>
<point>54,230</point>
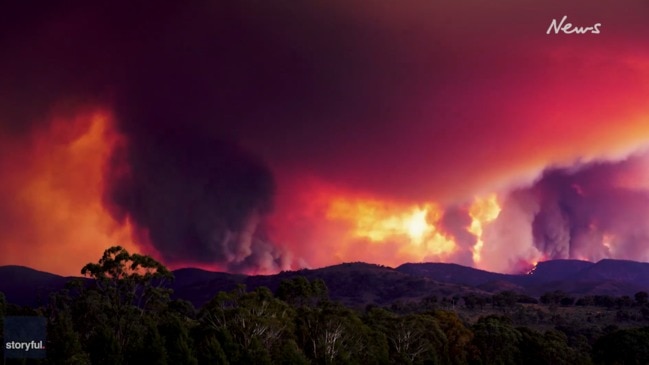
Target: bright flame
<point>380,222</point>
<point>342,226</point>
<point>417,225</point>
<point>482,211</point>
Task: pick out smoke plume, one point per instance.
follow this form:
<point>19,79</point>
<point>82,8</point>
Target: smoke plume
<point>199,199</point>
<point>593,213</point>
<point>455,222</point>
<point>589,212</point>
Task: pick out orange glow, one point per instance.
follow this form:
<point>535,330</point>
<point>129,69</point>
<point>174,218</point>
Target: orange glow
<point>607,241</point>
<point>482,211</point>
<point>56,190</point>
<point>417,225</point>
<point>379,222</point>
<point>325,225</point>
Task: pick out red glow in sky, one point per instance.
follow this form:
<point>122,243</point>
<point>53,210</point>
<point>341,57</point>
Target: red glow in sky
<point>55,194</point>
<point>262,138</point>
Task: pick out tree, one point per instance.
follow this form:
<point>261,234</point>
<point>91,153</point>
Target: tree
<point>251,325</point>
<point>496,340</point>
<point>331,333</point>
<point>629,346</point>
<point>130,280</point>
<point>457,335</point>
<point>641,297</point>
<point>604,301</point>
<point>553,298</point>
<point>418,338</point>
<point>299,291</point>
<point>624,302</point>
<point>290,354</point>
<point>3,304</point>
<point>505,299</point>
<point>118,315</point>
<point>429,302</point>
<point>556,350</point>
<point>3,308</point>
<point>470,301</point>
<point>174,328</point>
<point>585,301</point>
<point>531,347</point>
<point>644,311</point>
<point>208,348</point>
<point>407,338</point>
<point>64,345</point>
<point>567,301</point>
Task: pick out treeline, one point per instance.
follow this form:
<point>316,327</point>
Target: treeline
<point>509,299</point>
<point>552,308</point>
<point>128,317</point>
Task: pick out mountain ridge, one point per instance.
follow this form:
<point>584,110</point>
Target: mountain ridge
<point>360,283</point>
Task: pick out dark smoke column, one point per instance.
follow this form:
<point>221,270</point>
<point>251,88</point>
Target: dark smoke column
<point>597,211</point>
<point>200,199</point>
<point>193,85</point>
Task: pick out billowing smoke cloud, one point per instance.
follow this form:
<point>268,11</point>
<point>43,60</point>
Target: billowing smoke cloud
<point>593,213</point>
<point>179,173</point>
<point>455,222</point>
<point>199,199</point>
<point>590,212</point>
<point>508,240</point>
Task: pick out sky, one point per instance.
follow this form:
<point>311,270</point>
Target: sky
<point>256,137</point>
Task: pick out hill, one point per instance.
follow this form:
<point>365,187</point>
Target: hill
<point>606,277</point>
<point>358,284</point>
<point>25,286</point>
<point>354,284</point>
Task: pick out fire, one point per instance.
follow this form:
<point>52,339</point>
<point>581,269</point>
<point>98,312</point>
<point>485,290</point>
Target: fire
<point>325,225</point>
<point>378,221</point>
<point>482,211</point>
<point>413,227</point>
<point>417,225</point>
<point>56,189</point>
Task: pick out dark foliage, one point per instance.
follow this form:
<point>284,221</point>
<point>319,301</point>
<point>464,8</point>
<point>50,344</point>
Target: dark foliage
<point>125,314</point>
